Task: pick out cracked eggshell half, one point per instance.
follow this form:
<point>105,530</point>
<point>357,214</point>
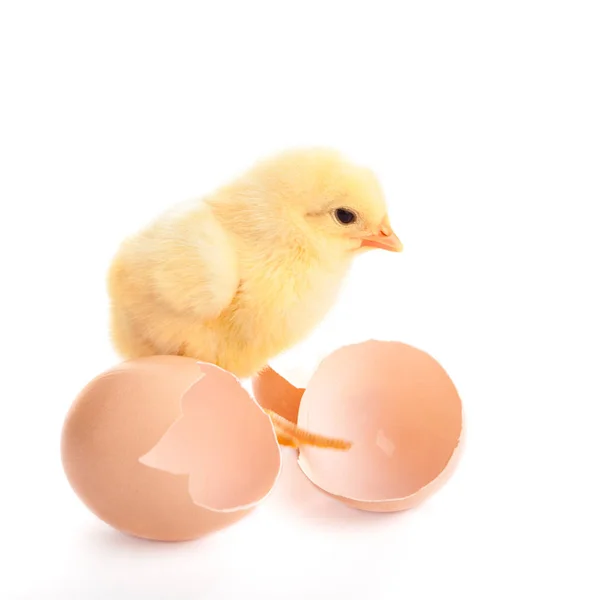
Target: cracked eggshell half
<point>168,448</point>
<point>403,415</point>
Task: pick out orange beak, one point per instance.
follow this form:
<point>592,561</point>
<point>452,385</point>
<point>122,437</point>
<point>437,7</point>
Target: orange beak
<point>385,239</point>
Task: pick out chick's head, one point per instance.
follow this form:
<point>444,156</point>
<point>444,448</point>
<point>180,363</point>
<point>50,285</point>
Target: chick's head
<point>332,201</point>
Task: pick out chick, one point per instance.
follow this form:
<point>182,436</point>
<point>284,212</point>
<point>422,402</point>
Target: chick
<point>248,271</point>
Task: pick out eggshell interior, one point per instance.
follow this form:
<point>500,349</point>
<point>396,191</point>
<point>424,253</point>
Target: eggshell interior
<point>403,415</point>
<point>223,441</point>
<point>132,412</point>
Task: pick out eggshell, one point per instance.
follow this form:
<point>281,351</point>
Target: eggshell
<point>401,412</point>
<point>276,393</point>
<point>168,448</point>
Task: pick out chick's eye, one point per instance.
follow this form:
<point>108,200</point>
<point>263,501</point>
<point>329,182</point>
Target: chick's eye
<point>346,217</point>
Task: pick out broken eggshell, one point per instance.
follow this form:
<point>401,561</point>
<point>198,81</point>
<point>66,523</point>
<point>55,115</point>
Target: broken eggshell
<point>169,448</point>
<point>274,392</point>
<point>394,403</point>
<point>403,415</point>
<point>279,387</point>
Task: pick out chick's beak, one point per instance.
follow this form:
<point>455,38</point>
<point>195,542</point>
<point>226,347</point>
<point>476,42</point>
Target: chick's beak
<point>385,239</point>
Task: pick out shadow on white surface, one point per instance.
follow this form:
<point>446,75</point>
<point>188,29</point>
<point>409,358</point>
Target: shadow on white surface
<point>105,539</point>
<point>297,497</point>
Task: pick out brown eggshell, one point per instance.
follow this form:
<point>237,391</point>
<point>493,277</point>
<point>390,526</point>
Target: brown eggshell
<point>168,448</point>
<point>274,392</point>
<point>401,412</point>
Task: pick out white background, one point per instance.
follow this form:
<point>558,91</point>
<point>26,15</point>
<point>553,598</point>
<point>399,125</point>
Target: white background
<point>482,120</point>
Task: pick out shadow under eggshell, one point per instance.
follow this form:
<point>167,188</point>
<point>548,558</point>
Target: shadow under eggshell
<point>124,413</point>
<point>402,413</point>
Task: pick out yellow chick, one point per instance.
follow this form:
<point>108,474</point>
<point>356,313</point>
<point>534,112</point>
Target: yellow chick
<point>246,272</point>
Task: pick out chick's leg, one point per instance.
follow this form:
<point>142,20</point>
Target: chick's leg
<point>285,439</point>
<point>289,434</point>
